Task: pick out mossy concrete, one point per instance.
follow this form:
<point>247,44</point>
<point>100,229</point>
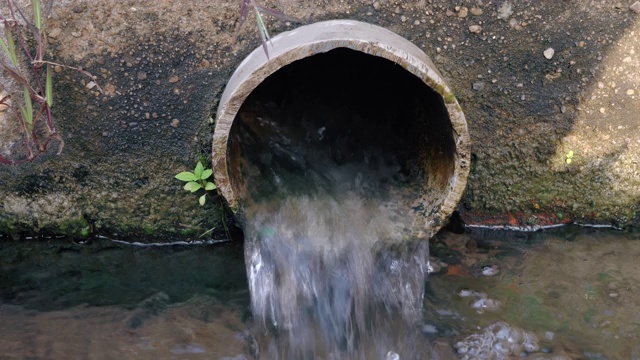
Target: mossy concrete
<point>164,64</point>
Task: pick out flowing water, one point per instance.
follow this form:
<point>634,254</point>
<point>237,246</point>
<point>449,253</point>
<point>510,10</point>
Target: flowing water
<point>573,291</point>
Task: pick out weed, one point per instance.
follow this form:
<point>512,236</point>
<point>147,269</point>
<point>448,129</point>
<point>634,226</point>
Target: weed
<point>197,180</point>
<point>569,156</point>
<point>262,29</point>
<point>30,85</point>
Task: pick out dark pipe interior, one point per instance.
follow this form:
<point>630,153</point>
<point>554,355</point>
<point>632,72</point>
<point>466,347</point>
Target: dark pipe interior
<point>341,108</point>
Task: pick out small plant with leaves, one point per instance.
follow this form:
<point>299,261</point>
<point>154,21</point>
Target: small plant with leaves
<point>569,157</point>
<point>197,180</point>
<point>262,28</point>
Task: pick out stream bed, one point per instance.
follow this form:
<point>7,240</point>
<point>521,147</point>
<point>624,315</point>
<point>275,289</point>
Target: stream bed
<point>564,293</point>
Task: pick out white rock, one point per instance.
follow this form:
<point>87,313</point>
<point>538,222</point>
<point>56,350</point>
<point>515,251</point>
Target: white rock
<point>549,53</point>
<point>635,7</point>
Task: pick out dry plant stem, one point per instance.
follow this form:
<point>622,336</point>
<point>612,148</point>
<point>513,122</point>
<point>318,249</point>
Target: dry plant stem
<point>37,94</point>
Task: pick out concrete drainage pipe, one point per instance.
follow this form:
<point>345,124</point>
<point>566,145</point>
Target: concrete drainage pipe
<point>365,81</point>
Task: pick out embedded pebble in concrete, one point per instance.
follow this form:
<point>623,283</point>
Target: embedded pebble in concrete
<point>549,53</point>
<point>476,11</point>
<point>475,29</point>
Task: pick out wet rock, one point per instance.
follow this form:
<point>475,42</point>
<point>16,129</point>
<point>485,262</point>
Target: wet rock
<point>490,270</point>
<point>481,301</point>
<point>497,341</point>
<point>464,11</point>
<point>548,54</point>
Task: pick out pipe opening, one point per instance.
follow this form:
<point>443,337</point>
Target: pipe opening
<point>342,116</point>
<point>343,109</point>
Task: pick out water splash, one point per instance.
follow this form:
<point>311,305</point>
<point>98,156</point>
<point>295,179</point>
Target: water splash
<point>324,283</point>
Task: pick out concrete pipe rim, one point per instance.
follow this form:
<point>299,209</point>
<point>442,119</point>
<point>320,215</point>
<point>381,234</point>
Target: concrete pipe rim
<point>322,37</point>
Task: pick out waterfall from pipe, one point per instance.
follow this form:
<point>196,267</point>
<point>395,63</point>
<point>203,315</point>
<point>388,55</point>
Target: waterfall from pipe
<point>335,251</point>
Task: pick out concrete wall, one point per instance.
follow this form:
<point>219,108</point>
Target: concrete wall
<point>163,65</point>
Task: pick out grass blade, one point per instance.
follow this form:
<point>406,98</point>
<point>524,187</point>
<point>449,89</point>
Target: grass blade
<point>243,15</point>
<point>277,13</point>
<point>11,43</point>
<point>37,13</point>
<point>264,35</point>
<point>28,106</point>
<point>48,89</point>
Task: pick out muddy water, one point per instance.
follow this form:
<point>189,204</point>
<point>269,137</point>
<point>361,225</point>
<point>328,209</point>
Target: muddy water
<point>575,290</point>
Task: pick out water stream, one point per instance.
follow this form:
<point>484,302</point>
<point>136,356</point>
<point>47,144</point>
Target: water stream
<point>574,290</point>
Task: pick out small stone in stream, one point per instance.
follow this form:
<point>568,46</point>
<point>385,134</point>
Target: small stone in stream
<point>463,12</point>
<point>142,75</point>
<point>549,53</point>
<point>476,11</point>
<point>635,7</point>
<point>478,85</point>
<point>174,79</point>
<point>475,29</point>
<point>376,5</point>
<point>490,270</point>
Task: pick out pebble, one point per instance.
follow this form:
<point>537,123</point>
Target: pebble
<point>174,79</point>
<point>175,123</point>
<point>142,75</point>
<point>376,5</point>
<point>635,7</point>
<point>478,85</point>
<point>463,12</point>
<point>549,53</point>
<point>630,92</point>
<point>491,270</point>
<point>476,11</point>
<point>515,24</point>
<point>55,33</point>
<point>475,29</point>
<point>90,85</point>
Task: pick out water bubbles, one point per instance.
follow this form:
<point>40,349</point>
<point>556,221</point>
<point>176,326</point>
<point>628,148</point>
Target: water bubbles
<point>392,356</point>
<point>497,341</point>
<point>481,302</point>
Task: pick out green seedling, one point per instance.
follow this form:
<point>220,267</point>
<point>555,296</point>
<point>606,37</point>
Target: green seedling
<point>569,156</point>
<point>197,180</point>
